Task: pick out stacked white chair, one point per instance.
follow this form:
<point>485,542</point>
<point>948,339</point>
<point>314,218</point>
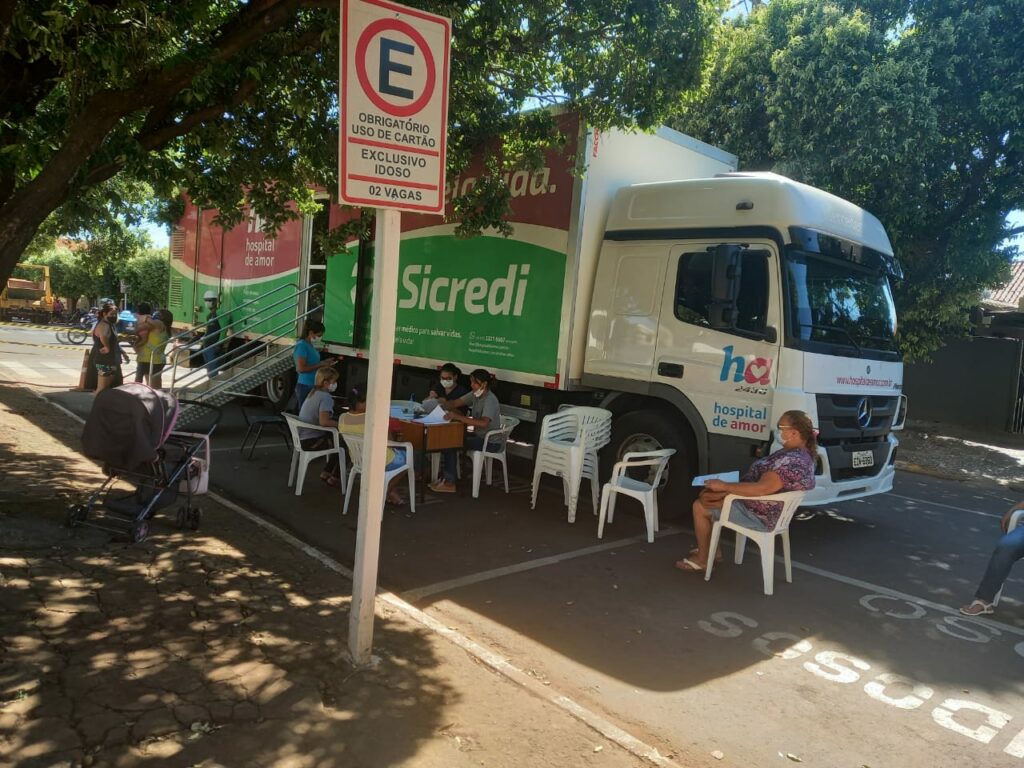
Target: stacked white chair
<point>493,450</point>
<point>568,446</point>
<point>355,452</point>
<point>646,493</point>
<point>302,457</point>
<point>1017,518</point>
<point>765,539</point>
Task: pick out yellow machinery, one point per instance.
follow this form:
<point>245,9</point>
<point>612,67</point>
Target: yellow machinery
<point>27,299</point>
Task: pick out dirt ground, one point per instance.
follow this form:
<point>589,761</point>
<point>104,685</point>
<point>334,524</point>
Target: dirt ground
<point>221,647</point>
<point>960,454</point>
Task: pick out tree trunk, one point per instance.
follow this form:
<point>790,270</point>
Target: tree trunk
<point>20,219</point>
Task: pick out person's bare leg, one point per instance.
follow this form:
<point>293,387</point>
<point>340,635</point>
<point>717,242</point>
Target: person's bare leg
<point>702,525</point>
<point>102,382</point>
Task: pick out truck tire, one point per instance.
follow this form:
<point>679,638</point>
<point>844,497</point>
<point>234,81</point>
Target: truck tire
<point>652,430</point>
<point>280,388</point>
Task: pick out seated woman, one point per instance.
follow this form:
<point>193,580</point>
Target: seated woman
<point>152,338</point>
<point>318,408</point>
<point>354,423</point>
<point>449,387</point>
<point>484,414</point>
<point>307,359</point>
<point>791,468</point>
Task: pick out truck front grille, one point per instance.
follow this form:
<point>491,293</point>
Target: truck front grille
<point>840,431</point>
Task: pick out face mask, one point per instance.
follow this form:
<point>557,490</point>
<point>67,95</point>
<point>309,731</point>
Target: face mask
<point>317,339</point>
<point>479,392</point>
<point>447,383</point>
<point>332,386</point>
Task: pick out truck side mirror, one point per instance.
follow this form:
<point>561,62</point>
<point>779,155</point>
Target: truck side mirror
<point>725,285</point>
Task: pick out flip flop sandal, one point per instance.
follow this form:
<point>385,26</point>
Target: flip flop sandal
<point>719,557</point>
<point>687,565</point>
<point>978,608</point>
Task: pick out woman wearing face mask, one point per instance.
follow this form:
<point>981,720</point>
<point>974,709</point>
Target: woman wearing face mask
<point>106,354</point>
<point>307,359</point>
<point>449,388</point>
<point>318,408</point>
<point>484,414</point>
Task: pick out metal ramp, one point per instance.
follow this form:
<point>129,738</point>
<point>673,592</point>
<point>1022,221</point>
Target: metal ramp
<point>269,323</point>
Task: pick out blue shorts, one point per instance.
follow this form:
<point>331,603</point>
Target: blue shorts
<point>398,461</point>
<point>740,514</point>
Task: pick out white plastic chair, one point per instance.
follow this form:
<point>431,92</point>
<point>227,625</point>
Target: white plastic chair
<point>355,452</point>
<point>646,493</point>
<point>302,457</point>
<point>493,450</point>
<point>1017,518</point>
<point>568,446</point>
<point>765,539</point>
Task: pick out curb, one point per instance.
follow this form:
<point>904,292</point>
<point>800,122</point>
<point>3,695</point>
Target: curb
<point>918,469</point>
<point>495,662</point>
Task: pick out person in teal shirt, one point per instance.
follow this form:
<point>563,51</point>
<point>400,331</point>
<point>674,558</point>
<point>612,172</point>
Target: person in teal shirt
<point>307,359</point>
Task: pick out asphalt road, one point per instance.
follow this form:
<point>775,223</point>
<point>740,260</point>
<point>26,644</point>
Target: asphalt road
<point>32,355</point>
<point>862,661</point>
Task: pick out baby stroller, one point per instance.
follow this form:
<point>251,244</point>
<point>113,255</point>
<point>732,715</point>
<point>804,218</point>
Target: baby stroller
<point>131,430</point>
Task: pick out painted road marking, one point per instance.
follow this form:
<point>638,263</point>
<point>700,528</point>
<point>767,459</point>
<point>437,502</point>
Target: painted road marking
<point>42,345</point>
<point>846,669</point>
<point>529,565</point>
<point>946,506</point>
<point>497,663</point>
<point>943,715</point>
<point>19,368</point>
<point>36,326</point>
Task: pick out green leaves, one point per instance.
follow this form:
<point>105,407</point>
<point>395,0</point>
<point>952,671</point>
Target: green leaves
<point>912,110</point>
<point>237,101</point>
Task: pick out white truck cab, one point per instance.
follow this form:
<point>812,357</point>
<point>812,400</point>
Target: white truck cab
<point>721,303</point>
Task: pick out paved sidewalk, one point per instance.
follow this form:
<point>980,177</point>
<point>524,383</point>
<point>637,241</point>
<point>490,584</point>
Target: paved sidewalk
<point>222,647</point>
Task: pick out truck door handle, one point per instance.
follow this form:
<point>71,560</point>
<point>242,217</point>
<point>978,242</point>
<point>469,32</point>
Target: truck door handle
<point>673,370</point>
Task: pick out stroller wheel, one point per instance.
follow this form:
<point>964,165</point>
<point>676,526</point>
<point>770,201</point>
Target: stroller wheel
<point>195,517</point>
<point>76,516</point>
<point>139,532</point>
<point>181,518</point>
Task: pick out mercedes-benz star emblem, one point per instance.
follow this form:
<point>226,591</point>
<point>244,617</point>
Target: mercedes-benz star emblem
<point>864,412</point>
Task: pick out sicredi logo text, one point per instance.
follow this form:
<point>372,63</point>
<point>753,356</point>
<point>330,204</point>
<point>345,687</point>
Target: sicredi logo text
<point>477,295</point>
<point>757,371</point>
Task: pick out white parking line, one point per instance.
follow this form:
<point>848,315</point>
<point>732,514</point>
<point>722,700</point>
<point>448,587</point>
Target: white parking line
<point>19,368</point>
<point>529,565</point>
<point>977,512</point>
<point>494,661</point>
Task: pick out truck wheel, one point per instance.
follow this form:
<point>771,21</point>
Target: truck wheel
<point>280,388</point>
<point>652,431</point>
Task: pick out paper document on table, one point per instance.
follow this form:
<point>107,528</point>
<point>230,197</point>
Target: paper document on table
<point>725,477</point>
<point>436,416</point>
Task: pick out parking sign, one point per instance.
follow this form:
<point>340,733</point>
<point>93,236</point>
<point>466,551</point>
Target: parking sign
<point>394,106</point>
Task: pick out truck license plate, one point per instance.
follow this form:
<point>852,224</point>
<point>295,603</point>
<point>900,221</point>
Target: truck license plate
<point>863,459</point>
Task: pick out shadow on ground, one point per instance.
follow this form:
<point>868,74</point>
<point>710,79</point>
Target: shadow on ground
<point>213,647</point>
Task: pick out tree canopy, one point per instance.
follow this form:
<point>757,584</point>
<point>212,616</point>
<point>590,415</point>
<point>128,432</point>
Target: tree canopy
<point>221,96</point>
<point>913,109</point>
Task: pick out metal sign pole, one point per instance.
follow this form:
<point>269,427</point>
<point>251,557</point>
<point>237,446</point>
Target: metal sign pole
<point>378,411</point>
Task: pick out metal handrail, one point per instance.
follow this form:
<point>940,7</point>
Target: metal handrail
<point>286,305</point>
<point>250,344</point>
<point>287,309</point>
<point>191,332</point>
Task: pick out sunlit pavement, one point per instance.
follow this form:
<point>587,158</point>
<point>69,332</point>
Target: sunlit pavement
<point>862,660</point>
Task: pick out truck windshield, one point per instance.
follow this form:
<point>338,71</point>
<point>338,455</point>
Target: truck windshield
<point>837,307</point>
